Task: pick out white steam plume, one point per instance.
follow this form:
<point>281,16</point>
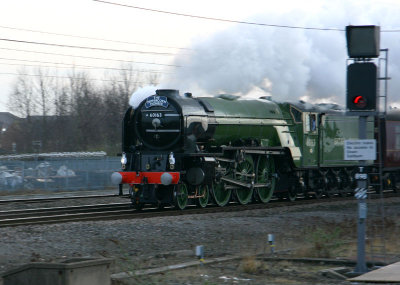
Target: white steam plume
<point>140,94</point>
<point>288,63</point>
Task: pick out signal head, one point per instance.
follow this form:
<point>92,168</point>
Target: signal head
<point>360,102</point>
<point>362,87</point>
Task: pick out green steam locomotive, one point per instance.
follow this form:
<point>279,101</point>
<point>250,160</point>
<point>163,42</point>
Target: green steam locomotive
<point>181,150</point>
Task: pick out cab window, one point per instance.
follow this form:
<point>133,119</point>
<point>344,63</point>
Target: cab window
<point>296,115</point>
<point>313,122</point>
<point>310,123</point>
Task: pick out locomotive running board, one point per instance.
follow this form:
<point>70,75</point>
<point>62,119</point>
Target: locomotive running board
<point>254,151</point>
<point>257,149</point>
<point>246,185</point>
<point>224,159</point>
<point>203,154</point>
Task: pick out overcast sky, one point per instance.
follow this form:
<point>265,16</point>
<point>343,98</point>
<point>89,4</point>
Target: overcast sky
<point>214,56</point>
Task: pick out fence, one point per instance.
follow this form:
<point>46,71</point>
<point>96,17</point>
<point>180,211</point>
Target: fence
<point>58,175</point>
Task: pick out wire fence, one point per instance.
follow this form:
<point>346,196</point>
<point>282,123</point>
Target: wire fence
<point>57,175</point>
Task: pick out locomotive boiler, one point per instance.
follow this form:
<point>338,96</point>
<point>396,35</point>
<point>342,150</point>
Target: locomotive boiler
<point>177,149</point>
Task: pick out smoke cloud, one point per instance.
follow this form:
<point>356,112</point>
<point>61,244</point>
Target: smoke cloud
<point>287,63</point>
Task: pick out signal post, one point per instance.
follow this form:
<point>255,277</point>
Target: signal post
<point>362,45</point>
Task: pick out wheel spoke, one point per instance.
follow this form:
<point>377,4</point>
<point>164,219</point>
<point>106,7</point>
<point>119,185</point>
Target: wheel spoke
<point>318,184</point>
<point>244,171</point>
<point>220,194</point>
<point>332,183</point>
<point>204,196</point>
<point>344,183</point>
<point>244,195</point>
<point>181,196</point>
<point>265,170</point>
<point>292,194</point>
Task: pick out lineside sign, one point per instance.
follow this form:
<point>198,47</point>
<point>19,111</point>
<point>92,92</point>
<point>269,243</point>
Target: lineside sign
<point>360,150</point>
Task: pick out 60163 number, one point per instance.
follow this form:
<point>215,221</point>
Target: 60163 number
<point>156,115</point>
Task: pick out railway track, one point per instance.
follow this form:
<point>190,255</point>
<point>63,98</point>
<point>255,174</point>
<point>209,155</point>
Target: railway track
<point>62,214</point>
<point>50,199</point>
<point>116,211</point>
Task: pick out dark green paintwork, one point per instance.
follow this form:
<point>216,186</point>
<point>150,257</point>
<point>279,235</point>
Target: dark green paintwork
<point>336,129</point>
<point>242,119</point>
<point>271,123</point>
<point>260,109</point>
<point>325,146</point>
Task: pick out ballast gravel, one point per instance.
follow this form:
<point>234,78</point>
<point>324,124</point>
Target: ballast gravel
<point>159,241</point>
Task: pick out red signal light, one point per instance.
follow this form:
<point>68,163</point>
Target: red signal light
<point>361,92</point>
<point>360,102</point>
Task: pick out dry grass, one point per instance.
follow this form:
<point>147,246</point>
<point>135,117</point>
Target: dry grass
<point>250,265</point>
<point>339,239</point>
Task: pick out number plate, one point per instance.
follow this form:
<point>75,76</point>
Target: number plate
<point>156,115</point>
<point>361,176</point>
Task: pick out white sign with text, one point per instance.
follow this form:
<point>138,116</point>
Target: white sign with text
<point>360,150</point>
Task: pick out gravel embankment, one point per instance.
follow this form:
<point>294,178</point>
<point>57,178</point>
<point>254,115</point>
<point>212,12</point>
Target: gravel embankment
<point>159,241</point>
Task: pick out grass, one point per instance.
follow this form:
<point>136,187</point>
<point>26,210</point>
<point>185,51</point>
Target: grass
<point>339,239</point>
<point>322,242</point>
<point>250,265</point>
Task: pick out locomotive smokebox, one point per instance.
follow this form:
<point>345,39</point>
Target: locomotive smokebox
<point>168,92</point>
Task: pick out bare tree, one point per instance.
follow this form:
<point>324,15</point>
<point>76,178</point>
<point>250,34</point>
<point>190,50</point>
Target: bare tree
<point>128,82</point>
<point>85,112</point>
<point>153,79</point>
<point>61,124</point>
<point>44,102</point>
<point>42,87</point>
<point>21,100</point>
<point>116,94</point>
<point>75,114</point>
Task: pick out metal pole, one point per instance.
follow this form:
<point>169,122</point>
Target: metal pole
<point>271,241</point>
<point>361,266</point>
